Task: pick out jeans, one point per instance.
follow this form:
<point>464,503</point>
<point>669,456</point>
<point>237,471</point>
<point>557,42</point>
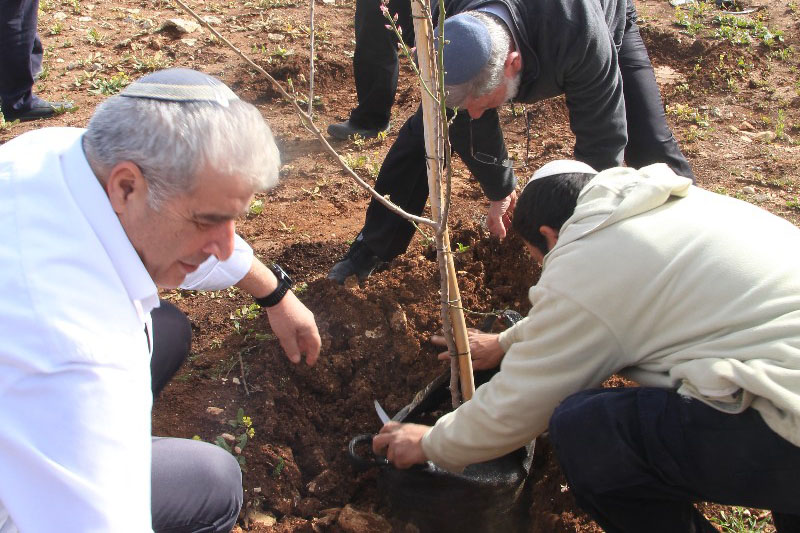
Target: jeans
<point>637,458</point>
<point>20,53</point>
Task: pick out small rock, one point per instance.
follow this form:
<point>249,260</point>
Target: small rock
<point>761,198</point>
<point>329,2</point>
<point>257,490</point>
<point>181,25</point>
<point>746,126</point>
<point>133,10</point>
<point>236,381</point>
<point>398,321</point>
<point>324,482</point>
<point>60,16</point>
<point>764,136</point>
<point>260,518</point>
<point>228,437</point>
<point>85,19</point>
<point>276,37</point>
<point>749,190</point>
<point>733,129</point>
<point>123,44</point>
<point>59,60</point>
<point>745,139</point>
<point>211,19</point>
<point>376,333</point>
<point>353,521</point>
<point>189,42</point>
<point>237,450</point>
<point>214,410</point>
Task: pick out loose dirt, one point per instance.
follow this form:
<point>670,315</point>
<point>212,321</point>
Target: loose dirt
<point>735,109</point>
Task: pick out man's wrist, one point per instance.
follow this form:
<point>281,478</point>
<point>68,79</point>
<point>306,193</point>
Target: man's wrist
<point>285,283</point>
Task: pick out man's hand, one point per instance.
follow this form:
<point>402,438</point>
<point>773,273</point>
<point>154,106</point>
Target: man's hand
<point>498,220</point>
<point>295,328</point>
<point>402,443</point>
<point>484,348</point>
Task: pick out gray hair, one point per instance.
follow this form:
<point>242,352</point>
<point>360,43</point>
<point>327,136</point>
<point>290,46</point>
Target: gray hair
<point>491,76</point>
<point>172,142</point>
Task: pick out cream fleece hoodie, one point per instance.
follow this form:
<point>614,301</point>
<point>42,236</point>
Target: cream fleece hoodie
<point>659,280</point>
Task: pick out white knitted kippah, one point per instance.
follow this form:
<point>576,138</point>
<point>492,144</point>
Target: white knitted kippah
<point>180,85</point>
<point>562,166</point>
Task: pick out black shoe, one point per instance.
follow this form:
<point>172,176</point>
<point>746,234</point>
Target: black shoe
<point>358,261</point>
<point>345,130</point>
<point>39,109</point>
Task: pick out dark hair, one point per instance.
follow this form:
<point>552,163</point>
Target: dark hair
<point>547,201</point>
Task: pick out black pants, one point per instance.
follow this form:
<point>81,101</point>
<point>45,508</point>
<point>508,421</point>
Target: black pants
<point>20,53</point>
<point>375,65</point>
<point>196,486</point>
<point>403,175</point>
<point>636,459</point>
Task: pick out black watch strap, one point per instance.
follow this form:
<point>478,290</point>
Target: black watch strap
<point>285,283</point>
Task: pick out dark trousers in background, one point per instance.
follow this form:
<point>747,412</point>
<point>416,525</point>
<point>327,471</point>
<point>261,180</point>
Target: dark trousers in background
<point>375,63</point>
<point>649,138</point>
<point>403,174</point>
<point>637,458</point>
<point>20,53</point>
<point>196,486</point>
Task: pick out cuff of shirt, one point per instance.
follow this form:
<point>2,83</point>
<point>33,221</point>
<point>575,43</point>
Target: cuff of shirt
<point>214,274</point>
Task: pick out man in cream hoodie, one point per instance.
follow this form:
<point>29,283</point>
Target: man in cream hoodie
<point>693,295</point>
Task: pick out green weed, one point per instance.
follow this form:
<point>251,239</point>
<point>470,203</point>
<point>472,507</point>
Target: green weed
<point>109,86</point>
<point>741,520</point>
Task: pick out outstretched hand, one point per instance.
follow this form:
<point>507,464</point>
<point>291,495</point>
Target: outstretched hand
<point>484,348</point>
<point>294,325</point>
<point>402,443</point>
<point>498,220</point>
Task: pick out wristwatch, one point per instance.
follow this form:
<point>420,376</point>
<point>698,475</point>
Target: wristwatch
<point>284,284</point>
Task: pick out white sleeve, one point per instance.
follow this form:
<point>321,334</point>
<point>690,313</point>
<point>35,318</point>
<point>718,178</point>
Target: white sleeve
<point>561,349</point>
<point>75,443</point>
<point>214,274</point>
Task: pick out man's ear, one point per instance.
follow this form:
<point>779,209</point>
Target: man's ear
<point>513,64</point>
<point>550,235</point>
<point>125,186</point>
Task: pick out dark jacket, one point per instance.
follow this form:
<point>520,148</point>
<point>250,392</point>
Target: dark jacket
<point>568,47</point>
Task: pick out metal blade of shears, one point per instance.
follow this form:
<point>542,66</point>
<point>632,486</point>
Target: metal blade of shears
<point>381,413</point>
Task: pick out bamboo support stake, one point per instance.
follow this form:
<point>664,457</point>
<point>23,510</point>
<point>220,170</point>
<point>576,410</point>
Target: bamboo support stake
<point>434,149</point>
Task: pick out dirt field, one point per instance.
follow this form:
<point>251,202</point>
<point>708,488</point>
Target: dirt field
<point>732,93</point>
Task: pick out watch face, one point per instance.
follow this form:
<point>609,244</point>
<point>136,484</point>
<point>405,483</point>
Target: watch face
<point>282,275</point>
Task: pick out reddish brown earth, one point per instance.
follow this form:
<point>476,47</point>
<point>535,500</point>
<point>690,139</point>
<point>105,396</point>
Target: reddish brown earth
<point>725,101</point>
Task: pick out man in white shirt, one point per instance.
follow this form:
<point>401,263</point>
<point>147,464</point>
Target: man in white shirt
<point>696,297</point>
<point>91,223</point>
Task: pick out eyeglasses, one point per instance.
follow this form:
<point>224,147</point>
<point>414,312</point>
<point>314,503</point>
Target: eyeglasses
<point>507,163</point>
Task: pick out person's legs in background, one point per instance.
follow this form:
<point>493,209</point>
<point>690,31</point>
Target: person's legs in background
<point>375,68</point>
<point>21,61</point>
<point>649,138</point>
<point>637,458</point>
<point>196,486</point>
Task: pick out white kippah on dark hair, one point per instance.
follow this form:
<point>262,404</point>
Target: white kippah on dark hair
<point>562,166</point>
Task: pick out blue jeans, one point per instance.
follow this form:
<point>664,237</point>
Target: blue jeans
<point>20,53</point>
<point>636,459</point>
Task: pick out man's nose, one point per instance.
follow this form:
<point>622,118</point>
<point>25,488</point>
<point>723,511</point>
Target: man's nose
<point>221,244</point>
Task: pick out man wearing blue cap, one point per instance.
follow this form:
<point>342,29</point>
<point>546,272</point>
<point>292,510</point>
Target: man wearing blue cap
<point>527,50</point>
<point>92,223</point>
<point>704,318</point>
